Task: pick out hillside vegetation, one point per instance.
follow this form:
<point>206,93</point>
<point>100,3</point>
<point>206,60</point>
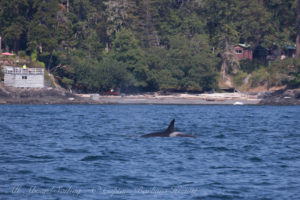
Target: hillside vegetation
<point>152,45</point>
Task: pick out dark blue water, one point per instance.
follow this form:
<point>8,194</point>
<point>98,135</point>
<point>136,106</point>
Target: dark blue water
<point>96,152</point>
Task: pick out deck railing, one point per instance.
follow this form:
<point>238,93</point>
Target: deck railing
<point>28,71</point>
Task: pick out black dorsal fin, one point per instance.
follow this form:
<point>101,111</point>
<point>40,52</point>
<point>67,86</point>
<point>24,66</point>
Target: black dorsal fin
<point>171,127</point>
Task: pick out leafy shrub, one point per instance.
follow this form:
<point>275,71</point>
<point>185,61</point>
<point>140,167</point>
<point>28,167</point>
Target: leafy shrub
<point>259,77</point>
<point>282,71</point>
<point>249,66</point>
<point>34,55</point>
<point>295,75</point>
<point>67,82</point>
<point>22,54</point>
<point>50,60</point>
<point>239,78</point>
<point>295,83</point>
<point>37,64</point>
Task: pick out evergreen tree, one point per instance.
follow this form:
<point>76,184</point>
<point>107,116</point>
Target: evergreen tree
<point>155,44</point>
<point>14,17</point>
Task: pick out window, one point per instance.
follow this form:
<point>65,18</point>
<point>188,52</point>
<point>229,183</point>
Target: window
<point>238,51</point>
<point>24,77</point>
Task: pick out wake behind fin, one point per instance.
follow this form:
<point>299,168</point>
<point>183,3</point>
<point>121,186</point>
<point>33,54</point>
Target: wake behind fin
<point>170,129</point>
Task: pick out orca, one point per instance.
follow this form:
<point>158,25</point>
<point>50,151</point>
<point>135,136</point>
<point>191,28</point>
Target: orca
<point>169,132</point>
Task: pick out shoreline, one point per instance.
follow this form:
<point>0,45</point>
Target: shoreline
<point>181,99</point>
<point>9,95</point>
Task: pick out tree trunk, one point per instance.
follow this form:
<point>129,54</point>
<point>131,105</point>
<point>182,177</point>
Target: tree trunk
<point>298,30</point>
<point>16,45</point>
<point>148,19</point>
<point>49,63</point>
<point>230,64</point>
<point>68,5</point>
<point>225,56</point>
<point>149,36</point>
<point>298,46</point>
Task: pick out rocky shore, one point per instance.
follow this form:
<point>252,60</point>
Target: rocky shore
<point>282,97</point>
<point>10,95</point>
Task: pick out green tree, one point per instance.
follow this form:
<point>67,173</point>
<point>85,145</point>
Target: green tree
<point>14,17</point>
<point>188,65</point>
<point>284,17</point>
<point>110,74</point>
<point>127,51</point>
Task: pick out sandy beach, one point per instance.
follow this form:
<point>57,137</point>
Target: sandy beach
<point>192,99</point>
<point>9,95</point>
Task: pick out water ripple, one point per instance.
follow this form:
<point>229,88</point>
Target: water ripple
<point>249,152</point>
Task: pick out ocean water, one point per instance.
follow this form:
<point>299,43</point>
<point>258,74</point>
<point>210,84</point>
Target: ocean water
<point>96,152</point>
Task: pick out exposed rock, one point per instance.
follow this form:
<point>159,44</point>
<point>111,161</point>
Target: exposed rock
<point>10,95</point>
<point>3,92</point>
<point>282,97</point>
<point>297,94</point>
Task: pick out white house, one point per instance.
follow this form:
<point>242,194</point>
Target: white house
<point>23,78</point>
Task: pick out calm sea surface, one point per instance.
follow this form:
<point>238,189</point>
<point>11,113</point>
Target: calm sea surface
<point>96,152</point>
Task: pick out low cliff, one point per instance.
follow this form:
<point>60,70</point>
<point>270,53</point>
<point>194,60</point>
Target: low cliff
<point>282,97</point>
<point>9,95</point>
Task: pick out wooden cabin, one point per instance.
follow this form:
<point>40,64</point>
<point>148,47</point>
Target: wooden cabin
<point>243,52</point>
<point>289,51</point>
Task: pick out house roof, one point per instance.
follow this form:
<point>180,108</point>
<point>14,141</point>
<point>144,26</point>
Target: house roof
<point>243,45</point>
<point>289,46</point>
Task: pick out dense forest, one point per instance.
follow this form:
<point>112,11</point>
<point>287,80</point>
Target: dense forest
<point>152,45</point>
